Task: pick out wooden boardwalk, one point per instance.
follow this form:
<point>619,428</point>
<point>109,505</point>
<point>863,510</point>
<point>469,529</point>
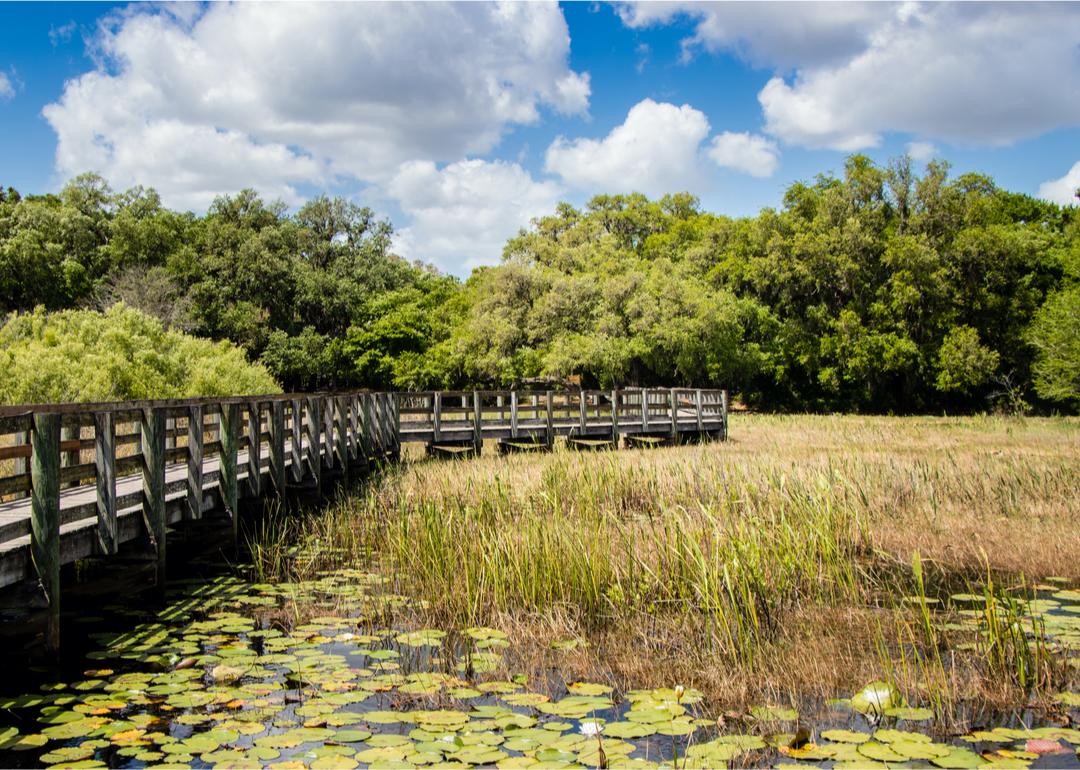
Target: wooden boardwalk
<point>79,480</point>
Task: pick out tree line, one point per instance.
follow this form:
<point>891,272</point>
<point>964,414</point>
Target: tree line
<point>879,290</point>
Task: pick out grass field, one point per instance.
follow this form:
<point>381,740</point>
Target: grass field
<point>803,558</point>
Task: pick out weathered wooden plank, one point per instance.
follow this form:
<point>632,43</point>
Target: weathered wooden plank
<point>313,420</point>
<point>673,408</point>
<point>513,414</point>
<point>698,411</point>
<point>477,421</point>
<point>549,417</point>
<point>195,438</point>
<point>153,484</point>
<point>341,433</point>
<point>277,447</point>
<point>436,415</point>
<point>394,424</point>
<point>367,441</point>
<point>615,416</point>
<point>45,515</point>
<point>229,430</point>
<point>296,416</point>
<point>105,469</point>
<point>254,442</point>
<point>354,428</point>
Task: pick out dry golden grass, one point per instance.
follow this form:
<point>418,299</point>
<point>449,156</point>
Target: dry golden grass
<point>771,567</point>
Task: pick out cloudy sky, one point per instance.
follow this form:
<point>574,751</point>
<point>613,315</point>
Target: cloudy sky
<point>462,122</point>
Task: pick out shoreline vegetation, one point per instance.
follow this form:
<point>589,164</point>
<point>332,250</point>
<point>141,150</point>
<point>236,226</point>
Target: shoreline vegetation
<point>877,289</point>
<point>797,562</point>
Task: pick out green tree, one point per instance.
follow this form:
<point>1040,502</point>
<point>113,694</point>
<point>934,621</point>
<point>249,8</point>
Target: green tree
<point>1055,334</point>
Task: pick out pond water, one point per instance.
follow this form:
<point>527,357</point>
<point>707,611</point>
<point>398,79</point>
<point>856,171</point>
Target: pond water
<point>230,673</point>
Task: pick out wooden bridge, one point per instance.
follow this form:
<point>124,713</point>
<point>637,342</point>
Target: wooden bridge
<point>79,480</point>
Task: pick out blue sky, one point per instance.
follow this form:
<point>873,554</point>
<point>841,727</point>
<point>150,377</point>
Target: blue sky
<point>463,122</point>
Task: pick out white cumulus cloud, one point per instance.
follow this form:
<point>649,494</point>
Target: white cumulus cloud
<point>775,34</point>
<point>463,213</point>
<point>654,151</point>
<point>1062,190</point>
<point>277,95</point>
<point>921,150</point>
<point>846,73</point>
<point>7,90</point>
<point>752,154</point>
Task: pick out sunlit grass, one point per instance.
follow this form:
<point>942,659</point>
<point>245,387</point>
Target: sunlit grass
<point>781,563</point>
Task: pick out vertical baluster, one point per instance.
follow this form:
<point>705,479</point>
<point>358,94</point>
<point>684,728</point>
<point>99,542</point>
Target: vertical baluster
<point>153,484</point>
<point>45,515</point>
<point>296,440</point>
<point>277,445</point>
<point>229,435</point>
<point>195,462</point>
<point>478,423</point>
<point>105,467</point>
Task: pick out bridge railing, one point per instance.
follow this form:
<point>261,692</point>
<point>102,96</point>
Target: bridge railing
<point>78,480</point>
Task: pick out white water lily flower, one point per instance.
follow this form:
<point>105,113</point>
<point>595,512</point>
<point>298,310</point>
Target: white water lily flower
<point>590,729</point>
<point>679,690</point>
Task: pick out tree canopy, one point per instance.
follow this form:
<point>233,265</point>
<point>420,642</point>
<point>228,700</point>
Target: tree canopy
<point>118,355</point>
<point>880,289</point>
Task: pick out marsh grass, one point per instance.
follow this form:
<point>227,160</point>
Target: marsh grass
<point>801,558</point>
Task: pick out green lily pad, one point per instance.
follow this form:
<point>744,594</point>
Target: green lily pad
<point>774,713</point>
<point>845,736</point>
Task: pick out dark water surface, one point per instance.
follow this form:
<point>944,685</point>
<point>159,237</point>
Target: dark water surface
<point>233,673</point>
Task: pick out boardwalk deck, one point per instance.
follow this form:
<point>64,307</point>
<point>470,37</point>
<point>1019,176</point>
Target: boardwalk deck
<point>79,480</point>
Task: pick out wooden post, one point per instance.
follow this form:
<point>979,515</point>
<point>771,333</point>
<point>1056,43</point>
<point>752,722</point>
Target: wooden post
<point>615,416</point>
<point>354,429</point>
<point>277,446</point>
<point>295,440</point>
<point>724,413</point>
<point>395,422</point>
<point>513,414</point>
<point>549,437</point>
<point>229,434</point>
<point>341,433</point>
<point>153,484</point>
<point>195,463</point>
<point>367,441</point>
<point>700,416</point>
<point>437,415</point>
<point>328,432</point>
<point>376,424</point>
<point>673,401</point>
<point>68,434</point>
<point>313,429</point>
<point>582,407</point>
<point>254,455</point>
<point>644,410</point>
<point>105,464</point>
<point>478,423</point>
<point>21,437</point>
<point>45,515</point>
